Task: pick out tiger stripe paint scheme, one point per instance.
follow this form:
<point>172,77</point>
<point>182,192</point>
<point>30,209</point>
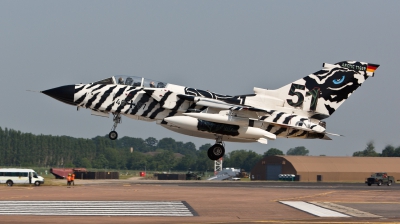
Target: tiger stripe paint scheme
<point>293,111</point>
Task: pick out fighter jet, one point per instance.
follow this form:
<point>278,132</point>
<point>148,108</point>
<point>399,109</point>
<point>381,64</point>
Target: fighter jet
<point>295,110</point>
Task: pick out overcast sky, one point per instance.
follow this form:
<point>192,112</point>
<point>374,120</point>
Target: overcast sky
<point>227,47</point>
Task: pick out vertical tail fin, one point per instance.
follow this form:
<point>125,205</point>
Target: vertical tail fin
<point>322,92</point>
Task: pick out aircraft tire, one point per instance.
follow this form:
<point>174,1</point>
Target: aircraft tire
<point>9,183</point>
<point>113,135</point>
<point>216,151</point>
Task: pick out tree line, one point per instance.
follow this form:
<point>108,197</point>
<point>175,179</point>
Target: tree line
<point>369,151</point>
<point>27,150</point>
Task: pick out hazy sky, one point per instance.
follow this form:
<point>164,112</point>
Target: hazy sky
<point>227,47</point>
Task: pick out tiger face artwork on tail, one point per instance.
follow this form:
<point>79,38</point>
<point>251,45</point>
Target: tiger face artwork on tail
<point>329,87</point>
<point>335,84</point>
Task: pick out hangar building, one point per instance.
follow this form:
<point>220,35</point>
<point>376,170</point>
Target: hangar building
<point>325,168</point>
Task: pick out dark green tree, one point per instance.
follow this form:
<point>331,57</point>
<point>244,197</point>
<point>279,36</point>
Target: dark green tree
<point>205,147</point>
<point>369,151</point>
<point>167,144</point>
<point>151,142</point>
<point>101,162</point>
<point>298,151</point>
<point>165,160</point>
<point>388,151</point>
<point>203,163</point>
<point>186,163</point>
<point>243,159</point>
<point>273,152</point>
<point>397,152</point>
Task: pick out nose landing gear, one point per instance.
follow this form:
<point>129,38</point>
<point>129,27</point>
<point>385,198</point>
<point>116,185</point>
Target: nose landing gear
<point>113,134</point>
<point>217,150</point>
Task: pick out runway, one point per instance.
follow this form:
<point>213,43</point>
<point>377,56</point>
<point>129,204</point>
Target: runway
<point>200,202</point>
<point>277,184</point>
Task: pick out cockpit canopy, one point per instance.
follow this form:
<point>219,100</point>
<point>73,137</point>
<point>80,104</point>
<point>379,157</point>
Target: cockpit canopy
<point>132,81</point>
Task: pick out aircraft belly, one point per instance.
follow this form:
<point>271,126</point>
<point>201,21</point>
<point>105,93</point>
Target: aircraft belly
<point>232,131</point>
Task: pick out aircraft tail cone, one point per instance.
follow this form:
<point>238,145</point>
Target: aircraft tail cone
<point>63,93</point>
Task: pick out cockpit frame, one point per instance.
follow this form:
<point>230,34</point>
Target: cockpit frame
<point>134,81</point>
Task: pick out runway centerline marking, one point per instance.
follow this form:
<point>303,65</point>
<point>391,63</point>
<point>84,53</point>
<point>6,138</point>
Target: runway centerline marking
<point>97,208</point>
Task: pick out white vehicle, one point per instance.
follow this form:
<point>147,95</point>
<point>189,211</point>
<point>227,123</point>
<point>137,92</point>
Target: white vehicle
<point>12,176</point>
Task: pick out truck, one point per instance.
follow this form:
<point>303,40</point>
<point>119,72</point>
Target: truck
<point>11,176</point>
<point>379,179</point>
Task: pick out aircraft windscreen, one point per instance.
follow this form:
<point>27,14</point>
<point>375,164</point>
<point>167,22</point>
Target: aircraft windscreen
<point>132,81</point>
<point>105,81</point>
<point>153,84</point>
<point>138,82</point>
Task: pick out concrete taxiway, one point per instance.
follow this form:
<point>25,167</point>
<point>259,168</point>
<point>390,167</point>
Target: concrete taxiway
<point>127,201</point>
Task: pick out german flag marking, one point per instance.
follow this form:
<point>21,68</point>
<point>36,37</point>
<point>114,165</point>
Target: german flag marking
<point>372,67</point>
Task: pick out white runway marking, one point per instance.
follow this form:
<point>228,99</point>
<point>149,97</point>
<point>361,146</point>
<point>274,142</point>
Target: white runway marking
<point>346,210</point>
<point>313,209</point>
<point>97,208</point>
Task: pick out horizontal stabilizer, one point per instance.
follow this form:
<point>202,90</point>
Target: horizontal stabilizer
<point>326,137</point>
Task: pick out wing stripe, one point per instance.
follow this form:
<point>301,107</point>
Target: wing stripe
<point>278,116</point>
<point>288,118</point>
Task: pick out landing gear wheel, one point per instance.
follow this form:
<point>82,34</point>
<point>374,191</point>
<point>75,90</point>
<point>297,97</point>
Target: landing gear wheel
<point>113,135</point>
<point>117,119</point>
<point>216,151</point>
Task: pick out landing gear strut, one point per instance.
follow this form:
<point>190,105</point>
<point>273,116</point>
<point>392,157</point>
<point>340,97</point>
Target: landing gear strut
<point>217,150</point>
<point>113,134</point>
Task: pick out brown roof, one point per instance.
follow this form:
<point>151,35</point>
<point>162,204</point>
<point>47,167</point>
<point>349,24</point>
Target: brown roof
<point>344,164</point>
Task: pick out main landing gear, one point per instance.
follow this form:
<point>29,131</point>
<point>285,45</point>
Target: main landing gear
<point>113,134</point>
<point>217,150</point>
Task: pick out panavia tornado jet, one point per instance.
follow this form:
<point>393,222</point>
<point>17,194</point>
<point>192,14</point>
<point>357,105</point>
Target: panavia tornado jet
<point>294,111</point>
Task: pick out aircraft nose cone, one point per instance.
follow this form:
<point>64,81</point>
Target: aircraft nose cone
<point>63,93</point>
